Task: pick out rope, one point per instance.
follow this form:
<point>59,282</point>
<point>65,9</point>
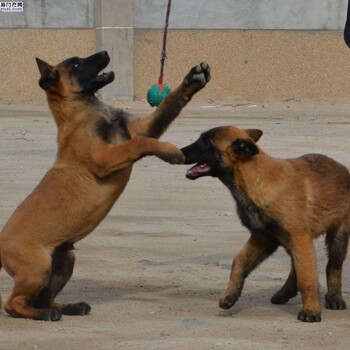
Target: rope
<point>163,54</point>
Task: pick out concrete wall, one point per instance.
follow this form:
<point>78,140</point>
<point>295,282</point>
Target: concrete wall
<point>256,65</point>
<point>49,29</point>
<point>243,14</point>
<point>51,14</point>
<point>258,49</point>
<point>62,20</point>
<point>198,14</point>
<point>18,70</point>
<point>114,20</point>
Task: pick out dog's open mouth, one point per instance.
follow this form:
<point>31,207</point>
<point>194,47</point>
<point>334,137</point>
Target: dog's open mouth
<point>105,77</point>
<point>198,170</point>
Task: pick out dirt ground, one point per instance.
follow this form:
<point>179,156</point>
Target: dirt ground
<point>153,271</point>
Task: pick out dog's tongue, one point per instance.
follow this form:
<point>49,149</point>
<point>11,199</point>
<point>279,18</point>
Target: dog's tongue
<point>197,171</point>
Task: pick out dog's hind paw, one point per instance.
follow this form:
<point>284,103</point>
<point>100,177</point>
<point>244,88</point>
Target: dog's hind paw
<point>78,309</point>
<point>52,314</point>
<point>280,298</point>
<point>199,74</point>
<point>334,302</point>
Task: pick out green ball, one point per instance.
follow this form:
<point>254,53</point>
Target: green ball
<point>157,93</point>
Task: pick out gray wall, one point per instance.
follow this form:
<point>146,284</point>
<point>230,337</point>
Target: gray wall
<point>51,14</point>
<point>114,21</point>
<point>242,14</point>
<point>186,14</point>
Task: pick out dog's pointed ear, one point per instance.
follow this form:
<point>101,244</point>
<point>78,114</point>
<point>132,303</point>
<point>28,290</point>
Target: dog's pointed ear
<point>49,77</point>
<point>244,149</point>
<point>43,66</point>
<point>255,134</point>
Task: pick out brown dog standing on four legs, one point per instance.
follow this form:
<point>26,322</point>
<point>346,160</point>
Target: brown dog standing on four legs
<point>97,146</point>
<point>286,202</point>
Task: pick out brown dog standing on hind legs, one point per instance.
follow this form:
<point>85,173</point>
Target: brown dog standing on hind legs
<point>97,146</point>
<point>283,202</point>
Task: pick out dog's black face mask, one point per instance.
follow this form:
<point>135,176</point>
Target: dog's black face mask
<point>75,75</point>
<point>205,154</point>
<point>217,150</point>
<point>85,71</point>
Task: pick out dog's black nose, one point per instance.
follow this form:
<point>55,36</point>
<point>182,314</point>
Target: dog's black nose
<point>104,53</point>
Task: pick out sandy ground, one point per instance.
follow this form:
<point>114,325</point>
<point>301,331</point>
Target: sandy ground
<point>154,269</point>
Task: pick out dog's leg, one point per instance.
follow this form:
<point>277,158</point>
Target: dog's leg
<point>337,244</point>
<point>303,254</point>
<point>62,270</point>
<point>288,291</point>
<point>156,123</point>
<point>31,276</point>
<point>108,158</point>
<point>256,250</point>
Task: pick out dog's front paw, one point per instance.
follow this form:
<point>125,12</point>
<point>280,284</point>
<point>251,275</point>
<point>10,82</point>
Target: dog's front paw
<point>307,316</point>
<point>171,154</point>
<point>227,301</point>
<point>198,75</point>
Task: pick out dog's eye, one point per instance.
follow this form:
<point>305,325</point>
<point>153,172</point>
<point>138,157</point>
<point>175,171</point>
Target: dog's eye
<point>76,65</point>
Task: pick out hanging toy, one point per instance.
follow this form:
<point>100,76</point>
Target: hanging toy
<point>157,93</point>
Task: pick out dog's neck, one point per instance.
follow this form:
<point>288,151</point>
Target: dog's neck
<point>257,179</point>
<point>64,109</point>
<point>68,114</point>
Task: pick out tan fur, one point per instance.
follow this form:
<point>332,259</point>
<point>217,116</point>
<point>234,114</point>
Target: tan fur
<point>306,203</point>
<point>286,202</point>
<point>79,190</point>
